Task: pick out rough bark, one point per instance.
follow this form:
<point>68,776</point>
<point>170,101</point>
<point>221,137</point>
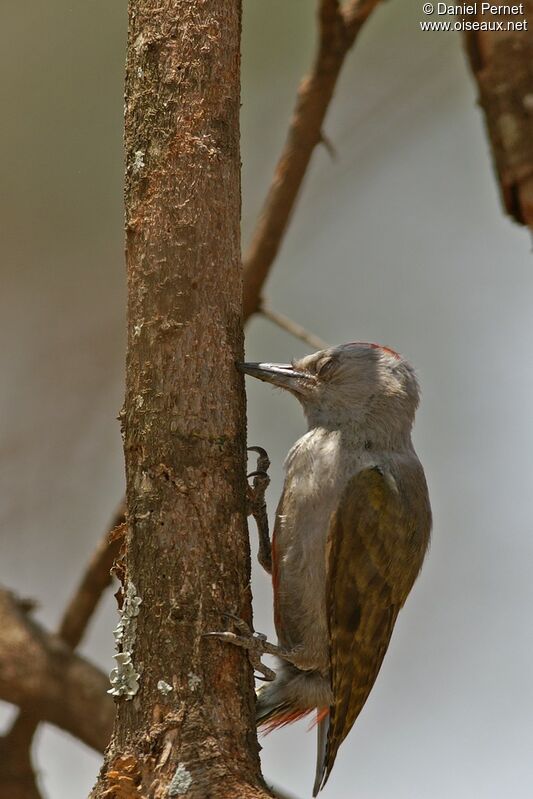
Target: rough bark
<point>502,63</point>
<point>187,556</point>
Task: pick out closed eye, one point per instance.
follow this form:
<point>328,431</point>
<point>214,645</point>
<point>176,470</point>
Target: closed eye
<point>325,366</point>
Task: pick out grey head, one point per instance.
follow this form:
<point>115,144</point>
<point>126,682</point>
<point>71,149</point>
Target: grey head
<point>358,384</point>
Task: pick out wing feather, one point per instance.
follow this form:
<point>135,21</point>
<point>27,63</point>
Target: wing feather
<point>376,544</point>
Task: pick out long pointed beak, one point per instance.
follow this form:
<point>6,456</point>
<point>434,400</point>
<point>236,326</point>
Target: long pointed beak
<point>283,375</point>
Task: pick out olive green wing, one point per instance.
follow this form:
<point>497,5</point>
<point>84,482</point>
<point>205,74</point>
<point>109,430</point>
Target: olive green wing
<point>374,552</point>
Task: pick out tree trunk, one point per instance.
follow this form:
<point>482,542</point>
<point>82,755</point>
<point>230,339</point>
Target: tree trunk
<point>185,722</point>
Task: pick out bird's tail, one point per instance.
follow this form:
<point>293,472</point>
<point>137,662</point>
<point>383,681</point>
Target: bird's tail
<point>273,710</point>
<point>321,747</point>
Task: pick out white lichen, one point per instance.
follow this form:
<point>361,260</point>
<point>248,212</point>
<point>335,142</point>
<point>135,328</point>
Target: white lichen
<point>138,160</point>
<point>125,630</point>
<point>181,781</point>
<point>194,681</point>
<point>137,329</point>
<point>145,484</point>
<point>164,688</point>
<point>124,677</point>
<point>139,400</point>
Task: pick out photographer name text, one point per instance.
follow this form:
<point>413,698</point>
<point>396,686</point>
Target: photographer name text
<point>483,9</point>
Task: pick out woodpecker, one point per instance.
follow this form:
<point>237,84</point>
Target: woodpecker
<point>351,531</point>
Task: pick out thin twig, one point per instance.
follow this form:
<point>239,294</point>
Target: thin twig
<point>291,327</point>
<point>338,29</point>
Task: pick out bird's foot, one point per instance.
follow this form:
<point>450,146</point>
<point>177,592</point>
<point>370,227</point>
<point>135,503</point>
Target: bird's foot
<point>257,506</point>
<point>255,643</point>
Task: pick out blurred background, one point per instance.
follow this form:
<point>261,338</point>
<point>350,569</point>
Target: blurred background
<point>400,240</point>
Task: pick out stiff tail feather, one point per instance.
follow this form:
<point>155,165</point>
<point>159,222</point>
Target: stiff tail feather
<point>321,747</point>
<point>271,715</point>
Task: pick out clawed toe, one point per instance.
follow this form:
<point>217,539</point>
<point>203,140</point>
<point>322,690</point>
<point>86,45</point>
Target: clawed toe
<point>255,643</point>
<point>263,475</point>
<point>263,461</point>
<point>243,626</point>
<point>257,505</point>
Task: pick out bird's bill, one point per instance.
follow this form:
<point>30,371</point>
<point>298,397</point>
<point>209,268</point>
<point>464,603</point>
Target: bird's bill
<point>283,375</point>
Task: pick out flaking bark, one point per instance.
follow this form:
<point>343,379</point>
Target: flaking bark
<point>184,414</point>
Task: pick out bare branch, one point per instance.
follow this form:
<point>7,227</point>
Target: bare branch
<point>16,769</point>
<point>338,31</point>
<point>291,327</point>
<point>502,64</point>
<point>40,674</point>
<point>355,15</point>
<point>95,580</point>
<point>17,777</point>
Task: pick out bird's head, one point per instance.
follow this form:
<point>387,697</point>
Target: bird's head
<point>358,383</point>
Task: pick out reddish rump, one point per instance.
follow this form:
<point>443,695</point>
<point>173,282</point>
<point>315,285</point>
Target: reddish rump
<point>282,718</point>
